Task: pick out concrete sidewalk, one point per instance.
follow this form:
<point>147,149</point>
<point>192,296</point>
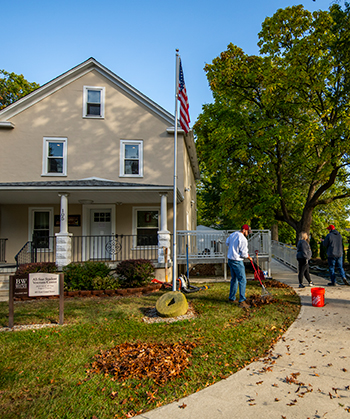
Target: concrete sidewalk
<point>305,375</point>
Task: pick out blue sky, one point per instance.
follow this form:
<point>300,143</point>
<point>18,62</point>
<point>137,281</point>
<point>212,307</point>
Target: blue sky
<point>136,39</point>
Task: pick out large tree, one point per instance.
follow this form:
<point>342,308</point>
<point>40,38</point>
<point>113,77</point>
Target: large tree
<point>276,140</point>
<point>13,87</point>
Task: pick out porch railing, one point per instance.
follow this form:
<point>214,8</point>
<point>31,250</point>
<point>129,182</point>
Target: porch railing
<point>3,250</point>
<point>37,251</point>
<point>114,248</point>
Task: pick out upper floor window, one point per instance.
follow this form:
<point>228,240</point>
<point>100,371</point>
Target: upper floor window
<point>131,158</point>
<point>55,156</point>
<point>94,98</point>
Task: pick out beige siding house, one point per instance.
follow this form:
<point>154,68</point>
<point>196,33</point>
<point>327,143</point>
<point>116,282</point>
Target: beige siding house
<point>86,172</point>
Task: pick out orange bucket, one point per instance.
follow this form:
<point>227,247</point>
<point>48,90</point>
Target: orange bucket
<point>317,296</point>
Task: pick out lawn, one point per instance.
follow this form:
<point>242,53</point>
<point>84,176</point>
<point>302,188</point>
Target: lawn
<point>56,372</point>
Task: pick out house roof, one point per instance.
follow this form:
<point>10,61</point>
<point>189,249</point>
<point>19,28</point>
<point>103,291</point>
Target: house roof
<point>73,74</point>
<point>98,190</point>
<point>76,72</point>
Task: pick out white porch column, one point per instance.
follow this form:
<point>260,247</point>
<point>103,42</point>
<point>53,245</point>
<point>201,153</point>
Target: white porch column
<point>163,233</point>
<point>63,238</point>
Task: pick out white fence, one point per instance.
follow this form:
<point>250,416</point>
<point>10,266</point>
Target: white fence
<point>199,246</point>
<point>285,253</point>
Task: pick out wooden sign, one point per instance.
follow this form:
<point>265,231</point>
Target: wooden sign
<point>36,285</point>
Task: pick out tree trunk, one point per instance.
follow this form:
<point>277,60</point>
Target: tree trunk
<point>274,232</point>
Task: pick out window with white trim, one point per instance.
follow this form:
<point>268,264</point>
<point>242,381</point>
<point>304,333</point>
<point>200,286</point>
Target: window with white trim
<point>41,228</point>
<point>93,102</point>
<point>131,158</point>
<point>146,226</point>
<point>54,156</point>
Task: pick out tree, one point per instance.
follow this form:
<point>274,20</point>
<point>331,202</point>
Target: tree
<point>13,87</point>
<point>276,138</point>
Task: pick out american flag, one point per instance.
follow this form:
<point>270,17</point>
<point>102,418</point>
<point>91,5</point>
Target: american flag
<point>184,106</point>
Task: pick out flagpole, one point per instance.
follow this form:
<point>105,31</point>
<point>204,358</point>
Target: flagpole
<point>175,171</point>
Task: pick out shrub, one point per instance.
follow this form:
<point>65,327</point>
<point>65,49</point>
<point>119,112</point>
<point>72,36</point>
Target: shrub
<point>314,247</point>
<point>323,251</point>
<point>79,276</point>
<point>135,272</point>
<point>30,268</point>
<point>105,283</point>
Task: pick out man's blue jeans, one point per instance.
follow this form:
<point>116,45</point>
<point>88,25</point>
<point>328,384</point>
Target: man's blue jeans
<point>237,278</point>
<point>335,262</point>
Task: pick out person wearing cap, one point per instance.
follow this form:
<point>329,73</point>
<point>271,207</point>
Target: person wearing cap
<point>334,245</point>
<point>238,251</point>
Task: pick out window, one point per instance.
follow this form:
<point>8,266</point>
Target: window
<point>146,226</point>
<point>41,227</point>
<point>93,99</point>
<point>55,156</point>
<point>131,158</point>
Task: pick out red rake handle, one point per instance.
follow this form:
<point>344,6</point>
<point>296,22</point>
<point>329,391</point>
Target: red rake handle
<point>256,273</point>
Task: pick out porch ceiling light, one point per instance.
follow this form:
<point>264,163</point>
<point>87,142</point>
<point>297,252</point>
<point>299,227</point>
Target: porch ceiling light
<point>118,203</point>
<point>85,201</point>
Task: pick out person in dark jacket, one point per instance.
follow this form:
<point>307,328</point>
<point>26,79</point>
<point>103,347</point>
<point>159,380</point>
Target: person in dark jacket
<point>303,255</point>
<point>334,245</point>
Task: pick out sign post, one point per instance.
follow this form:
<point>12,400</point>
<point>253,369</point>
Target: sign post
<point>36,285</point>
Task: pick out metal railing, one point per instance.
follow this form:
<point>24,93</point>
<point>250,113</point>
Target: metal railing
<point>114,248</point>
<point>3,250</point>
<point>285,253</point>
<point>201,247</point>
<point>33,251</point>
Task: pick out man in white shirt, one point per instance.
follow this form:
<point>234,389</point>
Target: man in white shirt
<point>238,251</point>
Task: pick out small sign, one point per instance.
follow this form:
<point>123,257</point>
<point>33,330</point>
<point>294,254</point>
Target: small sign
<point>43,284</point>
<point>21,287</point>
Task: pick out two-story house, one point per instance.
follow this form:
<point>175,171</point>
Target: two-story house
<point>86,172</point>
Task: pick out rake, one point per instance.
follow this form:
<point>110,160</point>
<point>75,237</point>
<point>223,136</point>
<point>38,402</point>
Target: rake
<point>260,276</point>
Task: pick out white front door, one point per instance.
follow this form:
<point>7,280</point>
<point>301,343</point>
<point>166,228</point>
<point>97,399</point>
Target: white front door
<point>100,231</point>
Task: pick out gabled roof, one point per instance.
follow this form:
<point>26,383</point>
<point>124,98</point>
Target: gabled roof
<point>73,74</point>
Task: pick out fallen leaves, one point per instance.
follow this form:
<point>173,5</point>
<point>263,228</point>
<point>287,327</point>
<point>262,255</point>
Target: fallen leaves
<point>158,361</point>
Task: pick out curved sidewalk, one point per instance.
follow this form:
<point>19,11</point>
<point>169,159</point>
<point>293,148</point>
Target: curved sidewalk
<point>305,375</point>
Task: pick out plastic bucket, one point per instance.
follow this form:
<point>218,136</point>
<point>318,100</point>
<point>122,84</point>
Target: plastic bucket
<point>317,296</point>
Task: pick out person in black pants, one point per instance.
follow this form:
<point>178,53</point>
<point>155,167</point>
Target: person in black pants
<point>304,255</point>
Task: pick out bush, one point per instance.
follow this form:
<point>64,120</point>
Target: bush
<point>79,276</point>
<point>314,247</point>
<point>30,268</point>
<point>135,272</point>
<point>105,283</point>
<point>323,252</point>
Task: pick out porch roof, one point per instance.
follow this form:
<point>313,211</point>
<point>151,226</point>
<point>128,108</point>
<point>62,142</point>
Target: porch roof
<point>92,189</point>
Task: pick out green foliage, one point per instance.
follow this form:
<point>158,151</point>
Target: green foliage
<point>29,268</point>
<point>105,283</point>
<point>314,247</point>
<point>135,272</point>
<point>323,251</point>
<point>13,87</point>
<point>79,276</point>
<point>274,145</point>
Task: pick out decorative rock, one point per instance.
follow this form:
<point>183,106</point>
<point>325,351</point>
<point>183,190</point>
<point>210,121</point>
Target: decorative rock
<point>172,304</point>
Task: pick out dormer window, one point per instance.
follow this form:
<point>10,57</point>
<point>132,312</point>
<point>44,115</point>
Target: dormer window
<point>94,98</point>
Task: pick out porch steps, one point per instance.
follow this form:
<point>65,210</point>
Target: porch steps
<point>4,282</point>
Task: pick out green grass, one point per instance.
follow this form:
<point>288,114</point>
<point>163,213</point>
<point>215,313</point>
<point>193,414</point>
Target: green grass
<point>43,372</point>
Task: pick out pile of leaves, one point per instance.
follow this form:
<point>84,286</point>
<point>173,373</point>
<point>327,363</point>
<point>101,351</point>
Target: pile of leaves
<point>272,283</point>
<point>159,361</point>
<point>259,300</point>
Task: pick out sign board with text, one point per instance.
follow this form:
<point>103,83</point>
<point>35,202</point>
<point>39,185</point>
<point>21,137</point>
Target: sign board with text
<point>36,285</point>
<point>43,285</point>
